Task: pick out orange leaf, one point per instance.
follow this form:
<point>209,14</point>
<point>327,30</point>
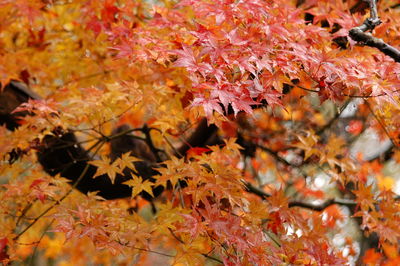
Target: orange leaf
<point>372,257</point>
<point>390,250</point>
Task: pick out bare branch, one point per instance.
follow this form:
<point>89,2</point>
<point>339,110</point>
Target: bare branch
<point>358,34</point>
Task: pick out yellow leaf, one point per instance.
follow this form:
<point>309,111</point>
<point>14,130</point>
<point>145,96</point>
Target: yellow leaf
<point>390,250</point>
<point>138,185</point>
<point>127,161</point>
<point>308,144</point>
<point>104,166</point>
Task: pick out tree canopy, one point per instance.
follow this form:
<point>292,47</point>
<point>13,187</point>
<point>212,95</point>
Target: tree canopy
<point>251,132</point>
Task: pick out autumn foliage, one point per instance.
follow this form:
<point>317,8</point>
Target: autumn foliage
<point>198,132</point>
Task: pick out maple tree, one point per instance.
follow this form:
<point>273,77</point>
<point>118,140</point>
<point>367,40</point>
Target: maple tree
<point>199,132</point>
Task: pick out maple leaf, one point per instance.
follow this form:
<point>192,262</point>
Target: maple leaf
<point>109,11</point>
<point>334,214</point>
<point>209,105</point>
<point>39,191</point>
<point>195,151</point>
<point>36,182</point>
<point>174,170</point>
<point>192,224</point>
<point>186,58</point>
<point>234,39</point>
<point>126,160</point>
<point>390,250</point>
<point>97,27</point>
<point>104,166</point>
<point>166,64</point>
<point>29,9</point>
<point>308,144</point>
<point>242,104</point>
<point>372,257</point>
<point>365,197</point>
<point>138,185</point>
<point>44,107</point>
<point>232,145</point>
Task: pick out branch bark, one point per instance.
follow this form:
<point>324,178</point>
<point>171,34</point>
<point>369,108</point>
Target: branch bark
<point>358,34</point>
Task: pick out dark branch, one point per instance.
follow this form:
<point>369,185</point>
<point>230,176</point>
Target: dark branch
<point>324,205</point>
<point>198,138</point>
<point>61,153</point>
<point>275,155</point>
<point>358,34</point>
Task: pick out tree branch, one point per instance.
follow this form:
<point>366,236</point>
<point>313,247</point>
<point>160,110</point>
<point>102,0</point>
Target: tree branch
<point>198,138</point>
<point>358,34</point>
<point>294,203</point>
<point>324,205</point>
<point>61,153</point>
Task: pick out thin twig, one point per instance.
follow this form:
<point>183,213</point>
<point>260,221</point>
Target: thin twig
<point>275,155</point>
<point>179,188</point>
<point>381,123</point>
<point>348,95</point>
<point>153,251</point>
<point>333,119</point>
<point>168,142</point>
<point>38,242</point>
<point>315,207</point>
<point>24,211</point>
<point>324,205</point>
